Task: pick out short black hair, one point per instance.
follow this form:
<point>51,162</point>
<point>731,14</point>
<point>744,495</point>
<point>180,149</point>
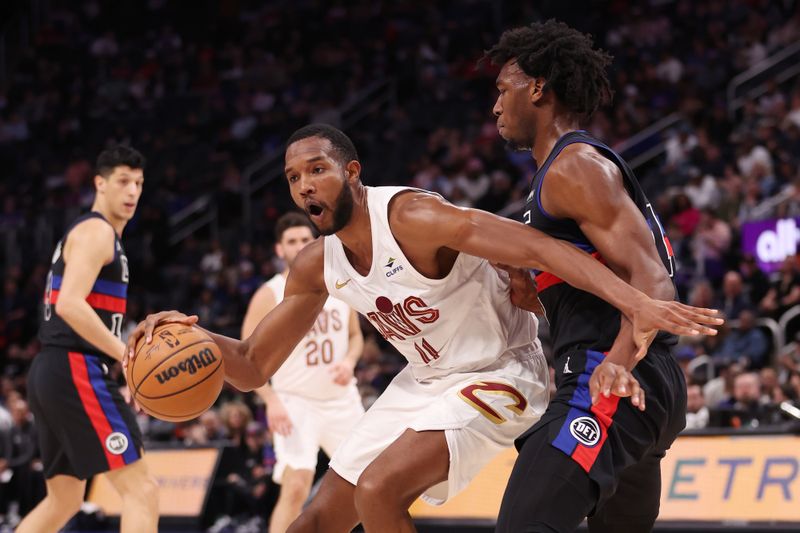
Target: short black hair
<point>118,155</point>
<point>341,143</point>
<point>564,57</point>
<point>292,219</point>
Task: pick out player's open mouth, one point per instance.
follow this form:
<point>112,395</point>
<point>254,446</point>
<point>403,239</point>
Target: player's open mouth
<point>314,209</point>
<point>130,206</point>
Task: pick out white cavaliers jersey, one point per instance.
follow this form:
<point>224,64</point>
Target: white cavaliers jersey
<point>307,370</point>
<point>460,323</point>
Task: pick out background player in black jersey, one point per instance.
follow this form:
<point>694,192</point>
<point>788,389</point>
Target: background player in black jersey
<point>85,427</point>
<point>592,453</point>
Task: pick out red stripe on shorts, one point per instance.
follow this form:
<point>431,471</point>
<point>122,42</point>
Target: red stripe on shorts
<point>80,376</point>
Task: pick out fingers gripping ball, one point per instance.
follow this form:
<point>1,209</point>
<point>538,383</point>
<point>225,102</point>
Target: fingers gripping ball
<point>179,375</point>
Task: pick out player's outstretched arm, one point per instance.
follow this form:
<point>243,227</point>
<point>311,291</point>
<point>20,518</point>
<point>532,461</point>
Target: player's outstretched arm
<point>584,186</point>
<point>251,362</point>
<point>420,217</point>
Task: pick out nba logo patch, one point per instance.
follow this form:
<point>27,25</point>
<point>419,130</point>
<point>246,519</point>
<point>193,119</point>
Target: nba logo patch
<point>116,443</point>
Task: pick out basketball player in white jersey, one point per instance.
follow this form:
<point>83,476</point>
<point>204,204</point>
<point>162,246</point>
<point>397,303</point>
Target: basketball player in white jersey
<point>411,263</point>
<point>313,401</point>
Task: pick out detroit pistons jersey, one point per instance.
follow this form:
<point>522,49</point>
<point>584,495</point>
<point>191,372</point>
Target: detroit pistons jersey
<point>306,371</point>
<point>460,323</point>
<point>578,319</point>
<point>108,297</point>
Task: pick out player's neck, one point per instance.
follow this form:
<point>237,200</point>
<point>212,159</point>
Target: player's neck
<point>357,234</point>
<point>552,129</point>
<point>116,223</point>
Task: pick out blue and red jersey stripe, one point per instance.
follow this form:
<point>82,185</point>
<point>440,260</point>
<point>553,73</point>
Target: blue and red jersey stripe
<point>581,406</point>
<point>106,295</point>
<point>546,279</point>
<point>99,405</point>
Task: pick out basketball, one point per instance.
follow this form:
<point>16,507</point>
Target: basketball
<point>179,375</point>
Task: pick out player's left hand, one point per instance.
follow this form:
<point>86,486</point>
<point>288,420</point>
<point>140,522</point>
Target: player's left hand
<point>610,378</point>
<point>650,316</point>
<point>341,372</point>
<point>522,286</point>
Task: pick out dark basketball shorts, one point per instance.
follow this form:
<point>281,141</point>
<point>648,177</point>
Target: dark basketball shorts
<point>84,425</point>
<point>603,460</point>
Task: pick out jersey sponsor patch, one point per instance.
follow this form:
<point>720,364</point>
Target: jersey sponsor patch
<point>117,443</point>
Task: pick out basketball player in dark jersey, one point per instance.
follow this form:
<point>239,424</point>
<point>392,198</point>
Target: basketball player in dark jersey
<point>84,425</point>
<point>592,453</point>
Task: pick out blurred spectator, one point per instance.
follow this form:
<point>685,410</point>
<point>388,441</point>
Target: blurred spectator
<point>686,216</point>
<point>734,299</point>
<point>235,417</point>
<point>702,294</point>
<point>755,283</point>
<point>750,154</point>
<point>719,391</point>
<point>702,190</point>
<point>696,411</point>
<point>250,493</point>
<point>784,292</point>
<point>712,240</point>
<point>749,407</point>
<point>678,147</point>
<point>745,344</point>
<point>21,479</point>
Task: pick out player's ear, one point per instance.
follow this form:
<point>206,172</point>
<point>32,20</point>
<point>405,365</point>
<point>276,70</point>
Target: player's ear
<point>99,183</point>
<point>536,89</point>
<point>352,170</point>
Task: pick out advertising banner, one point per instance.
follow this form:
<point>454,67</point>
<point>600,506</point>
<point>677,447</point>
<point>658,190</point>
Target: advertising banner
<point>771,241</point>
<point>183,477</point>
<point>713,478</point>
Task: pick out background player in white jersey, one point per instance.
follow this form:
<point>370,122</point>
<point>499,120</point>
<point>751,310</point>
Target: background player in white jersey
<point>475,377</point>
<point>313,401</point>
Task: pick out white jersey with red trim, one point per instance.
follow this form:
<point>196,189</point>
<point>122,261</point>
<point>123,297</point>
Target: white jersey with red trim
<point>460,323</point>
<point>307,370</point>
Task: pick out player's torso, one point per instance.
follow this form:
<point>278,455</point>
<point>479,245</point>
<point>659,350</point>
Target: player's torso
<point>462,322</point>
<point>307,370</point>
<point>107,298</point>
<point>578,319</point>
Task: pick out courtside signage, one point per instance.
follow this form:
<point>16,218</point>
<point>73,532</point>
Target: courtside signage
<point>771,241</point>
<point>183,477</point>
<point>713,478</point>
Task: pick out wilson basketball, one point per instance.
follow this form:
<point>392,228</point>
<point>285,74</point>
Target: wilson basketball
<point>177,376</point>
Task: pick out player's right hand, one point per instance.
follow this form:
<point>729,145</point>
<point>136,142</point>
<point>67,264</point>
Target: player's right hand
<point>278,419</point>
<point>146,327</point>
<point>651,316</point>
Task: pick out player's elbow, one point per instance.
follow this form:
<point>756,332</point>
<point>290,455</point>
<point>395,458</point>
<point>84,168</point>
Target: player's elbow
<point>65,308</point>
